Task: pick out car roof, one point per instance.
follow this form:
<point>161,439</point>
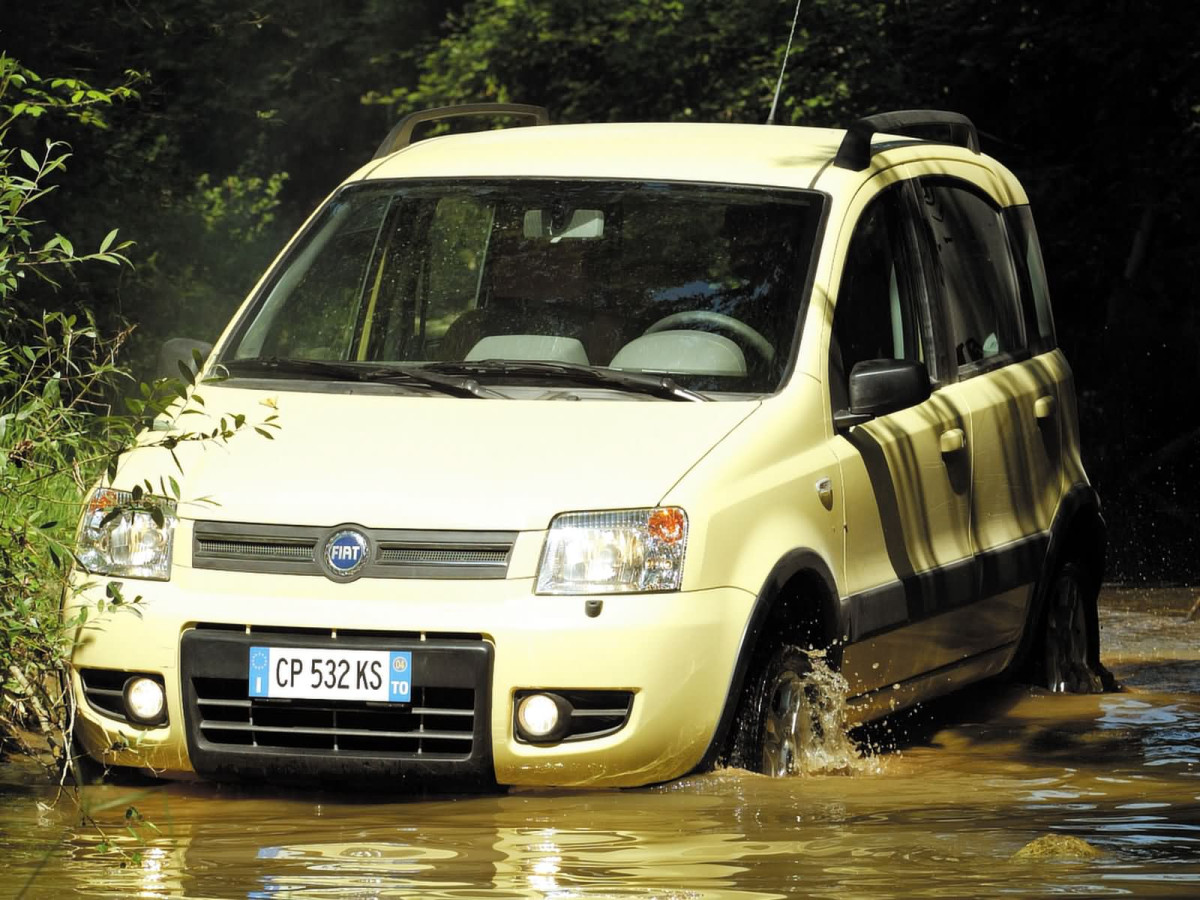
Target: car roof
<point>768,155</point>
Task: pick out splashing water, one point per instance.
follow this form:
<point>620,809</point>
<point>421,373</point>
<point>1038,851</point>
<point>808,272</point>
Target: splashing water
<point>827,749</point>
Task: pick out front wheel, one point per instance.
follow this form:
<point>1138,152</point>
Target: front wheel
<point>792,718</point>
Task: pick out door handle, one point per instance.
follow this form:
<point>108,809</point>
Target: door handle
<point>1044,408</point>
<point>952,441</point>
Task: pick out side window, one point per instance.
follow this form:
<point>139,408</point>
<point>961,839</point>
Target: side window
<point>974,268</point>
<point>1035,295</point>
<point>876,316</point>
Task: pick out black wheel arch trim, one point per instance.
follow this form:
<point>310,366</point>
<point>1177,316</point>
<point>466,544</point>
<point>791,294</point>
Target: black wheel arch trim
<point>1080,503</point>
<point>794,563</point>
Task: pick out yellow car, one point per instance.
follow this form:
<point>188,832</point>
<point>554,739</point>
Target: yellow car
<point>589,435</point>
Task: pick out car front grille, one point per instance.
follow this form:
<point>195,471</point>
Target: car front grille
<point>295,550</point>
<point>441,721</point>
<point>443,731</point>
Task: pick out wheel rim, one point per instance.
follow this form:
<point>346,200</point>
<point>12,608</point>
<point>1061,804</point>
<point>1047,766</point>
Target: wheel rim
<point>1067,668</point>
<point>787,726</point>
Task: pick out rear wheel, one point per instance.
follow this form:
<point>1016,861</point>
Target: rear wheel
<point>1069,657</point>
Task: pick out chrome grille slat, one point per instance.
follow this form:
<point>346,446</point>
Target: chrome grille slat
<point>381,708</point>
<point>336,732</point>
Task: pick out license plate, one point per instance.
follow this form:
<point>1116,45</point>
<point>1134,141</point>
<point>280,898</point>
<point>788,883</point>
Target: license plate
<point>329,674</point>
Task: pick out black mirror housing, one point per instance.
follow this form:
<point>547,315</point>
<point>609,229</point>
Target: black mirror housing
<point>180,350</point>
<point>881,386</point>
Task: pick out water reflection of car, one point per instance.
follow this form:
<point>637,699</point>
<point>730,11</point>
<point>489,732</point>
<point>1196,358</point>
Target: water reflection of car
<point>570,482</point>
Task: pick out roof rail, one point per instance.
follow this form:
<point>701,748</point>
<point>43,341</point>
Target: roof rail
<point>928,124</point>
<point>401,134</point>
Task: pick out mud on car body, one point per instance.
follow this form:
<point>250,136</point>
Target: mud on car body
<point>589,433</point>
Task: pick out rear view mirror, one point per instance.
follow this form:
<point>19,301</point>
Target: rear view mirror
<point>556,224</point>
<point>180,350</point>
<point>881,386</point>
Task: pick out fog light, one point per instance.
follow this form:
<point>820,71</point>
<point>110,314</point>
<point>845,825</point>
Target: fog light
<point>542,717</point>
<point>145,700</point>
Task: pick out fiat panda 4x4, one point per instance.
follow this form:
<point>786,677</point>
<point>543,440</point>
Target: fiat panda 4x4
<point>588,432</point>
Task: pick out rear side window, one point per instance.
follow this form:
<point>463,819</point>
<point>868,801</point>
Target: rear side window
<point>973,269</point>
<point>1035,295</point>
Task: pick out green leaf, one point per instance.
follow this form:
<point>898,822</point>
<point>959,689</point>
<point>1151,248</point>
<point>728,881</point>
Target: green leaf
<point>186,371</point>
<point>30,161</point>
<point>108,239</point>
<point>265,433</point>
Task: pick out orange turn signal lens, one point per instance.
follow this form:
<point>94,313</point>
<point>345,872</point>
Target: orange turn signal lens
<point>667,525</point>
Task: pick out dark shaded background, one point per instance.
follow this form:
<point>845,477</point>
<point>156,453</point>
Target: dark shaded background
<point>1094,106</point>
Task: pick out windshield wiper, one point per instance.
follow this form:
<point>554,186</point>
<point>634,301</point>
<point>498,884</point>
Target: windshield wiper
<point>361,372</point>
<point>633,382</point>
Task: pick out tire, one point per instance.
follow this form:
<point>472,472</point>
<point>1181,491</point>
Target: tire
<point>784,718</point>
<point>1067,656</point>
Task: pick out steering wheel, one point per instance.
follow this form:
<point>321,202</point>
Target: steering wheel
<point>690,317</point>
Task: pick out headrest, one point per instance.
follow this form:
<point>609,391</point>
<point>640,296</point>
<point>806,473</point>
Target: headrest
<point>685,352</point>
<point>542,347</point>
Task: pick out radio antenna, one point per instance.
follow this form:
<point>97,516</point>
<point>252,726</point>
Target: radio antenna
<point>783,66</point>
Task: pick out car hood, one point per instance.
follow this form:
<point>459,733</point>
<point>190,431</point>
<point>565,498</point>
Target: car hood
<point>404,461</point>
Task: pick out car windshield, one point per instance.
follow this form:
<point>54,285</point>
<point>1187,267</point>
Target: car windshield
<point>700,284</point>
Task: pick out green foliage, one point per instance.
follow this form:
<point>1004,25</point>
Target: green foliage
<point>26,246</point>
<point>52,386</point>
<point>239,207</point>
<point>643,60</point>
<point>58,375</point>
<point>235,98</point>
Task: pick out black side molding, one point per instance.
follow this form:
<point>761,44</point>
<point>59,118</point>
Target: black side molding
<point>927,124</point>
<point>401,134</point>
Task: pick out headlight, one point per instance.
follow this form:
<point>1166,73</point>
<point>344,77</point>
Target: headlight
<point>624,551</point>
<point>136,543</point>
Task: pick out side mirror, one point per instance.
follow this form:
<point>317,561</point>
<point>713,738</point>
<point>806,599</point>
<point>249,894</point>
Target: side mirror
<point>179,350</point>
<point>881,386</point>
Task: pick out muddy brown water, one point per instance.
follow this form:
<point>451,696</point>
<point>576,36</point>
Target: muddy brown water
<point>938,811</point>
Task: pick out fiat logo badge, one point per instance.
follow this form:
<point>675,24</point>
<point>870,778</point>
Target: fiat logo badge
<point>346,552</point>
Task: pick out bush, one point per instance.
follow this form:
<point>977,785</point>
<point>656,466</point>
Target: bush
<point>56,373</point>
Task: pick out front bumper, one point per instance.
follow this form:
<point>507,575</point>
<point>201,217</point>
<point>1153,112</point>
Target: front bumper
<point>673,653</point>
